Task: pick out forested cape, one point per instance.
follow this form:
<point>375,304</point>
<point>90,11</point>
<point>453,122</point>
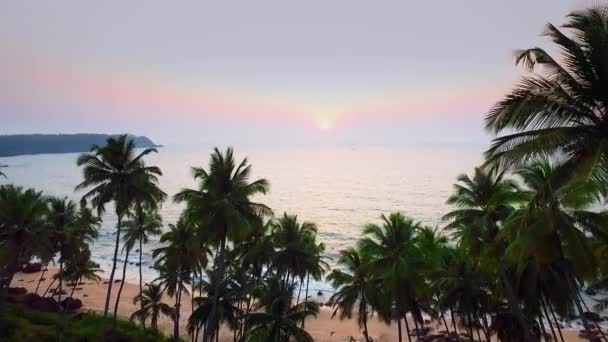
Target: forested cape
<point>13,145</point>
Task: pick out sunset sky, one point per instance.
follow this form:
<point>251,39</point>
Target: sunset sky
<point>275,71</point>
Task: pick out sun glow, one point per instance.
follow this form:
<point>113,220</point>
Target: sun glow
<point>324,124</point>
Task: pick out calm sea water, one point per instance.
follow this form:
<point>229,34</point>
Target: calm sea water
<point>338,188</point>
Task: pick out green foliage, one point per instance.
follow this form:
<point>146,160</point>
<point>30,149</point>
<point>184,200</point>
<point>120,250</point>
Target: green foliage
<point>18,324</point>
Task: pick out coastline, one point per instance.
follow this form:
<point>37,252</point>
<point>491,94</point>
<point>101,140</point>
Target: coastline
<point>323,328</point>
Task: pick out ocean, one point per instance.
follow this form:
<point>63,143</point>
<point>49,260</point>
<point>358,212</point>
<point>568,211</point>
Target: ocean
<point>340,188</point>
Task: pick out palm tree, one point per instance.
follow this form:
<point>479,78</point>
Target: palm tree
<point>396,261</point>
<point>23,233</point>
<point>356,288</point>
<point>561,108</point>
<point>482,203</point>
<point>114,172</point>
<point>81,266</point>
<point>222,207</point>
<point>551,229</point>
<point>295,245</point>
<point>151,305</point>
<point>275,319</point>
<point>143,223</point>
<point>181,257</point>
<point>63,222</point>
<point>227,308</point>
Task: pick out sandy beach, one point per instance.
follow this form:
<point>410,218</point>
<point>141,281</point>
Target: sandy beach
<point>323,328</point>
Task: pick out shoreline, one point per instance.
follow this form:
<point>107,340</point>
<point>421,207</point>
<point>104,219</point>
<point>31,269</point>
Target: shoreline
<point>322,328</point>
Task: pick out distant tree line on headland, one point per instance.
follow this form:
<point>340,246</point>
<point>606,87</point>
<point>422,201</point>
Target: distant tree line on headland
<point>18,144</point>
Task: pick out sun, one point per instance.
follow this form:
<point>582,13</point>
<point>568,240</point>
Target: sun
<point>324,124</point>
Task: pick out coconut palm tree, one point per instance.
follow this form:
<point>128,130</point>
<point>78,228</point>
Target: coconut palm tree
<point>356,288</point>
<point>23,233</point>
<point>181,256</point>
<point>116,173</point>
<point>275,319</point>
<point>396,261</point>
<point>143,223</point>
<point>482,204</point>
<point>561,107</point>
<point>228,311</point>
<point>81,266</point>
<point>221,207</point>
<point>551,230</point>
<point>151,306</point>
<point>295,244</point>
<point>63,222</point>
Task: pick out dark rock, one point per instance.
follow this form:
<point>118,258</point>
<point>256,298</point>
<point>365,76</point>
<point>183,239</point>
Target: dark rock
<point>34,301</point>
<point>106,282</point>
<point>85,295</point>
<point>32,267</point>
<point>81,283</point>
<point>320,293</point>
<point>592,316</point>
<point>71,304</point>
<point>70,284</point>
<point>16,291</point>
<point>57,293</point>
<point>117,280</point>
<point>590,292</point>
<point>20,280</point>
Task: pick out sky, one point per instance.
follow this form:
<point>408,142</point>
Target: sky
<point>266,71</point>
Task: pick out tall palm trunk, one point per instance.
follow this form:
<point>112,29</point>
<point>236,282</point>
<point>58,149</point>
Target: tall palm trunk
<point>122,284</point>
<point>74,287</point>
<point>58,293</point>
<point>453,321</point>
<point>513,304</point>
<point>44,269</point>
<point>111,282</point>
<point>407,328</point>
<point>49,287</point>
<point>365,331</point>
<point>220,272</point>
<point>306,302</point>
<point>559,329</point>
<point>578,293</point>
<point>544,309</point>
<point>178,299</point>
<point>141,287</point>
<point>399,329</point>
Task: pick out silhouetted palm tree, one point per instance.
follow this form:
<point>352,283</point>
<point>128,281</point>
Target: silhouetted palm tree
<point>151,306</point>
<point>115,172</point>
<point>143,223</point>
<point>561,108</point>
<point>396,262</point>
<point>181,256</point>
<point>222,208</point>
<point>275,319</point>
<point>356,288</point>
<point>81,266</point>
<point>23,233</point>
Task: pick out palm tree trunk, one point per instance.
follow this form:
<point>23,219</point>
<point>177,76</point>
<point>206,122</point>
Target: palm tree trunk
<point>306,299</point>
<point>220,271</point>
<point>445,324</point>
<point>542,323</point>
<point>141,287</point>
<point>177,309</point>
<point>109,291</point>
<point>578,293</point>
<point>559,329</point>
<point>453,321</point>
<point>470,326</point>
<point>364,318</point>
<point>58,293</point>
<point>49,287</point>
<point>44,269</point>
<point>407,328</point>
<point>299,292</point>
<point>399,329</point>
<point>544,309</point>
<point>416,327</point>
<point>122,284</point>
<point>74,288</point>
<point>513,304</point>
